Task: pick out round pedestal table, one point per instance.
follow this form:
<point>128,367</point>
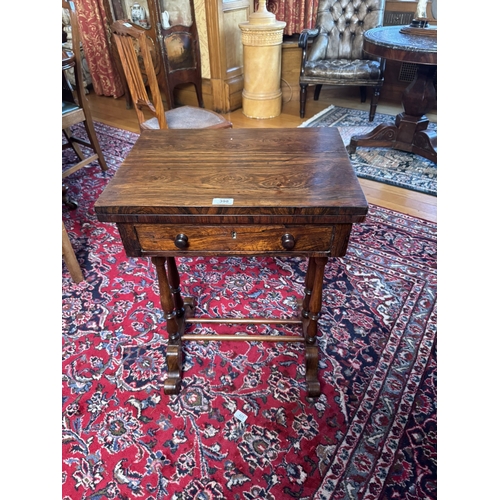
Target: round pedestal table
<point>409,131</point>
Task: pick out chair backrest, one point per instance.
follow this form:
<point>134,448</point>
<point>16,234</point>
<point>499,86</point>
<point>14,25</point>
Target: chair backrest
<point>132,45</point>
<point>76,59</point>
<point>341,24</point>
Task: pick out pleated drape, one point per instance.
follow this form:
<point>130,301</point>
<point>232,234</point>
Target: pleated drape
<point>92,20</point>
<point>298,14</point>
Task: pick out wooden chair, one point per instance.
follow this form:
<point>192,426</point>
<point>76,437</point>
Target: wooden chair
<point>69,257</point>
<point>75,106</point>
<point>135,56</point>
<point>335,56</point>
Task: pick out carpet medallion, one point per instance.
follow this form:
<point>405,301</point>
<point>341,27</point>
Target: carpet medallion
<point>370,435</point>
<point>386,165</point>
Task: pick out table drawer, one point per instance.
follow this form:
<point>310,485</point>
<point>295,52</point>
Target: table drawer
<point>232,239</point>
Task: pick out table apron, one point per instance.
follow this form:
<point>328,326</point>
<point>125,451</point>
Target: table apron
<point>149,240</point>
<point>401,54</point>
<point>347,216</point>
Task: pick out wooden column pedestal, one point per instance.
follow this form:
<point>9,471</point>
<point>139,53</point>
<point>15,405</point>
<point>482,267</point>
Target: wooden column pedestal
<point>262,39</point>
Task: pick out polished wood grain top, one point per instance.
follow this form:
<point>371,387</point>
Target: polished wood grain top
<point>219,176</point>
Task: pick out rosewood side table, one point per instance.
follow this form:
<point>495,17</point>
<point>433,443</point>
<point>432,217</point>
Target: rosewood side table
<point>260,192</point>
<point>409,132</point>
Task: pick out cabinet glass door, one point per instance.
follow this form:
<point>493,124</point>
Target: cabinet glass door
<point>175,13</point>
<point>138,12</point>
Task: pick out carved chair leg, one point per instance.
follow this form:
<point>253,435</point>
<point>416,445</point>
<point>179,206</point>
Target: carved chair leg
<point>317,90</point>
<point>303,97</point>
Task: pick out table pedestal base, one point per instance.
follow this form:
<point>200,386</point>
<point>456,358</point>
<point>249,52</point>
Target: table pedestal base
<point>409,133</point>
<point>178,312</point>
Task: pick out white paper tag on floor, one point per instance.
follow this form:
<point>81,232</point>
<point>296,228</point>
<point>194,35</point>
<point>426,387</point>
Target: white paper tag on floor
<point>240,416</point>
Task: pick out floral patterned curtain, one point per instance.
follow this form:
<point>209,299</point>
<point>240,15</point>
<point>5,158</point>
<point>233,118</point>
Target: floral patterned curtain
<point>92,20</point>
<point>298,14</point>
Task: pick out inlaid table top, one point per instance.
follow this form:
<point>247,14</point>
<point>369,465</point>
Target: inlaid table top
<point>298,175</point>
<point>390,43</point>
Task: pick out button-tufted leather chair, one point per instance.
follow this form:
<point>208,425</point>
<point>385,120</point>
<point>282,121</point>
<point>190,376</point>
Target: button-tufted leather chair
<point>335,56</point>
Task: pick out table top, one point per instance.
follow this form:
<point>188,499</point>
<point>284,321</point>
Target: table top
<point>388,42</point>
<point>297,175</point>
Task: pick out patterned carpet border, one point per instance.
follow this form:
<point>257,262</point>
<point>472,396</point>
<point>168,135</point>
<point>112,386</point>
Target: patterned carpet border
<point>396,168</point>
<point>372,433</point>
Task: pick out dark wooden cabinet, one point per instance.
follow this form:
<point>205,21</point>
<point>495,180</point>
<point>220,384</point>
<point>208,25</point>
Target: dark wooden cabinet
<point>191,30</point>
<point>178,36</point>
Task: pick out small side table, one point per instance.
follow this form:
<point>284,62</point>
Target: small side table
<point>260,192</point>
<point>409,132</point>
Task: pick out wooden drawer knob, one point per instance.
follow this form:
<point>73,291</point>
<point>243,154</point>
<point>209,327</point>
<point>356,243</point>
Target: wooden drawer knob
<point>288,241</point>
<point>181,241</point>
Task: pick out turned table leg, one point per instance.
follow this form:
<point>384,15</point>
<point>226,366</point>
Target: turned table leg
<point>310,312</point>
<point>176,310</point>
<point>308,286</point>
<point>175,289</point>
<point>172,306</point>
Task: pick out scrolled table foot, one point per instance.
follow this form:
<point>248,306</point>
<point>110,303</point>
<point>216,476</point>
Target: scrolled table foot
<point>425,144</point>
<point>312,381</point>
<point>351,147</point>
<point>382,135</point>
<point>172,384</point>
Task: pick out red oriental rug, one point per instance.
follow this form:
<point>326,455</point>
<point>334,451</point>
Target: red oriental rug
<point>371,434</point>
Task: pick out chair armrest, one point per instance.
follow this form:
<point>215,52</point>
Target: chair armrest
<point>305,35</point>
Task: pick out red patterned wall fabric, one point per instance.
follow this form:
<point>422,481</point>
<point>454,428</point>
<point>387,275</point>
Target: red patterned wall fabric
<point>92,19</point>
<point>298,14</point>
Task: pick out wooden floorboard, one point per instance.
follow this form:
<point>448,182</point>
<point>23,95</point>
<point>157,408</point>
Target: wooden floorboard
<point>114,112</point>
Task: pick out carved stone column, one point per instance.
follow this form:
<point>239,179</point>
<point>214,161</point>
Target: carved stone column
<point>262,38</point>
